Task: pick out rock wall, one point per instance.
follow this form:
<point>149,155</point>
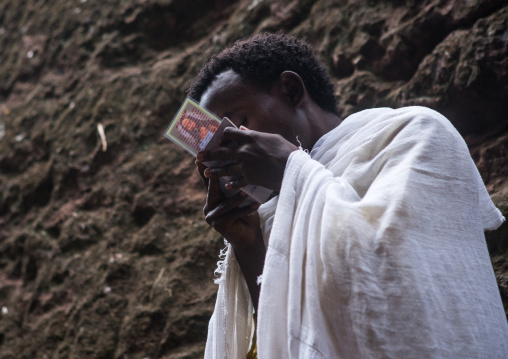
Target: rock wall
<point>104,252</point>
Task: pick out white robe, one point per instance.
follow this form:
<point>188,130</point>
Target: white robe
<point>375,250</point>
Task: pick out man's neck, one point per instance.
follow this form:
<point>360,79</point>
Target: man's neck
<point>321,122</point>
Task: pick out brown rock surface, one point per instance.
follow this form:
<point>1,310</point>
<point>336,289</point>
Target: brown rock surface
<point>105,254</point>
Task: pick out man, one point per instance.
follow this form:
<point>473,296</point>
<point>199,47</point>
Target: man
<point>373,246</point>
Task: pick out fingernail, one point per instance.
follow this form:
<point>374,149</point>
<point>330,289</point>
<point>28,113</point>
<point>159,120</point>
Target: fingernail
<point>208,173</point>
<point>230,185</point>
<point>200,157</point>
<point>243,128</point>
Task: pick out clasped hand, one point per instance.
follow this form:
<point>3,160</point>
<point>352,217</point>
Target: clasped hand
<point>258,159</point>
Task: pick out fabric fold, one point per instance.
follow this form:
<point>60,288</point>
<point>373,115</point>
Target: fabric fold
<point>376,247</point>
<point>231,327</point>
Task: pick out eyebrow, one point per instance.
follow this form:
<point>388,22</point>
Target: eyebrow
<point>228,114</point>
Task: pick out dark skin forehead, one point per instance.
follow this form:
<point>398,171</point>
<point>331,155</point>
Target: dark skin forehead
<point>230,91</point>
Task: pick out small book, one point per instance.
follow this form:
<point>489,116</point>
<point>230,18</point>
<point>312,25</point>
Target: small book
<point>195,129</point>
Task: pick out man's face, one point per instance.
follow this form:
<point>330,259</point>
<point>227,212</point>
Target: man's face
<point>252,106</point>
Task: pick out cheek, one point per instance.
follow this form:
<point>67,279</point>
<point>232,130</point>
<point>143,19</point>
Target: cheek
<point>283,123</point>
<point>269,122</point>
<point>271,116</point>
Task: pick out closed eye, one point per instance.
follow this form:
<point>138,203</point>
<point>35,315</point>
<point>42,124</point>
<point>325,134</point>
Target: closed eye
<point>244,122</point>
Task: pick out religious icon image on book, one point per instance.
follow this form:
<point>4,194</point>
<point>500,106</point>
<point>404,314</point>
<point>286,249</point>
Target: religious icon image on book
<point>192,127</point>
<point>195,129</point>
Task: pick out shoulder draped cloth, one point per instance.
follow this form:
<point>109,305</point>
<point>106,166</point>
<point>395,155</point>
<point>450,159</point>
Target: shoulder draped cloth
<point>375,249</point>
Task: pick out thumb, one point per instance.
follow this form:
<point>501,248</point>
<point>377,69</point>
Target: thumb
<point>214,195</point>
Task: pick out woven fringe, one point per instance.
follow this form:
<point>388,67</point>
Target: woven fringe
<point>221,264</point>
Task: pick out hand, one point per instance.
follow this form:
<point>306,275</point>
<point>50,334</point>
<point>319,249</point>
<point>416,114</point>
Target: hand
<point>239,226</point>
<point>260,158</point>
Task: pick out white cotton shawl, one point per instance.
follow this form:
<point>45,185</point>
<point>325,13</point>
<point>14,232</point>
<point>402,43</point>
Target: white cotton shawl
<point>375,250</point>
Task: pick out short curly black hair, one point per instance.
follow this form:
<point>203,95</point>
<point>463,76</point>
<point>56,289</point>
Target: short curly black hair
<point>262,58</point>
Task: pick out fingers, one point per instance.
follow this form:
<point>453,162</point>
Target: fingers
<point>231,139</point>
<point>228,210</point>
<point>217,154</point>
<point>220,222</point>
<point>227,213</point>
<point>237,183</point>
<point>201,169</point>
<point>228,170</point>
<point>232,134</point>
<point>214,196</point>
<point>217,207</point>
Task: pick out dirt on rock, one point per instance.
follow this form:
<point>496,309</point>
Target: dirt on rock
<point>104,252</point>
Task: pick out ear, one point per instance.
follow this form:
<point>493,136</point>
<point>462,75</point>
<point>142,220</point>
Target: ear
<point>292,87</point>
